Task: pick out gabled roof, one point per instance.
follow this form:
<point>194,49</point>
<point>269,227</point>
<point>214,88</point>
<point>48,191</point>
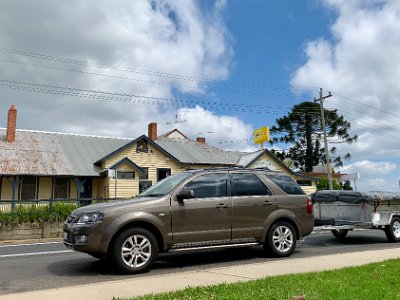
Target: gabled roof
<point>142,137</point>
<point>246,159</point>
<point>173,132</point>
<point>126,160</point>
<point>193,152</point>
<point>54,154</point>
<point>57,154</point>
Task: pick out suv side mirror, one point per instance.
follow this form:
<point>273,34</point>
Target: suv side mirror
<point>184,194</point>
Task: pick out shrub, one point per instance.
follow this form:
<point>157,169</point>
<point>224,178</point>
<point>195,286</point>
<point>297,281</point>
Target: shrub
<point>36,215</point>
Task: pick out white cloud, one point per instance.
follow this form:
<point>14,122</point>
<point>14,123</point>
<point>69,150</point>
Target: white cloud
<point>374,175</point>
<point>361,62</point>
<point>370,168</point>
<point>166,37</point>
<point>228,132</point>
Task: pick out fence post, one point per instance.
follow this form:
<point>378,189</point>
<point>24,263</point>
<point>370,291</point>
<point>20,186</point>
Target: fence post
<point>50,204</point>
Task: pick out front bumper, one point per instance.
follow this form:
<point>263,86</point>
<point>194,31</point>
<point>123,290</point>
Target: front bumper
<point>86,238</point>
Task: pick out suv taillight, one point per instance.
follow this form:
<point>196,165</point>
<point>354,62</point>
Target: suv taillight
<point>309,205</point>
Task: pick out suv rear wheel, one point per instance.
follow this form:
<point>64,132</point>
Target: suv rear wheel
<point>134,250</point>
<point>281,239</point>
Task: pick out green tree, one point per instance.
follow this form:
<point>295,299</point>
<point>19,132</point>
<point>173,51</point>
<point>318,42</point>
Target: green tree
<point>302,129</point>
<point>323,184</point>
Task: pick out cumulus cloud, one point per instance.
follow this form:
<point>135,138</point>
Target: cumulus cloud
<point>374,175</point>
<point>219,130</point>
<point>149,45</point>
<point>370,168</point>
<point>361,61</point>
<point>360,64</point>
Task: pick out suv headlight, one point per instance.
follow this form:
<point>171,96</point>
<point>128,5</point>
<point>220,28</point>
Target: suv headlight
<point>90,218</point>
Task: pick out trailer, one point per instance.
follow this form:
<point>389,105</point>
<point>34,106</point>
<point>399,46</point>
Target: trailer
<point>344,211</point>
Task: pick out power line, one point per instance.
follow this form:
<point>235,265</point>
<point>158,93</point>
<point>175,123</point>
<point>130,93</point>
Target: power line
<point>111,96</point>
<point>366,105</point>
<point>193,86</point>
<point>147,72</point>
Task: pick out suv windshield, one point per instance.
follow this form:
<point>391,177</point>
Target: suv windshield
<point>166,185</point>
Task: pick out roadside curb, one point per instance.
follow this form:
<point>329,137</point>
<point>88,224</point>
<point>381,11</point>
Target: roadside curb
<point>28,241</point>
<point>211,276</point>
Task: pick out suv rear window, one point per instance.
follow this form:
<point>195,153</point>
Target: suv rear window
<point>287,184</point>
<point>247,185</point>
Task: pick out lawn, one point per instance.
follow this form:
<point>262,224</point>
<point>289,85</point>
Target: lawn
<point>374,281</point>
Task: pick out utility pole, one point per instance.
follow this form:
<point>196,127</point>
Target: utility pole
<point>321,104</point>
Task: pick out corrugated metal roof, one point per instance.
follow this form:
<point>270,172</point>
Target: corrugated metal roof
<point>247,158</point>
<point>48,153</point>
<point>192,152</point>
<point>59,154</point>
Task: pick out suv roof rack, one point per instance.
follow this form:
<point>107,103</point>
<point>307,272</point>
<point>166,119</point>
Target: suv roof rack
<point>231,168</point>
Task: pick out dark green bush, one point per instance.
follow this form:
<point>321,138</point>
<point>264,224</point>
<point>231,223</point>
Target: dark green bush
<point>36,215</point>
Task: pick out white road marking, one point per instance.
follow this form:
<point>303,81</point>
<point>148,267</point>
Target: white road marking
<point>31,244</point>
<point>35,253</point>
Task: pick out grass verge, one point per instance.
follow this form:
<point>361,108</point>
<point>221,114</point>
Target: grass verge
<point>373,281</point>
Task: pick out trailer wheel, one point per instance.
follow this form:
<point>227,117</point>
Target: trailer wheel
<point>340,233</point>
<point>393,230</point>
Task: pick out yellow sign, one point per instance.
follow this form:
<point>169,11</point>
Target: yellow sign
<point>261,135</point>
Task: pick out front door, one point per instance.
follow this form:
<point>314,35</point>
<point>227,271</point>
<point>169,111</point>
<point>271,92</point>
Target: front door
<point>86,188</point>
<point>207,216</point>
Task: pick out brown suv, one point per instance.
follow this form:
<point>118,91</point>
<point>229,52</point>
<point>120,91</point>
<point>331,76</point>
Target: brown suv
<point>194,209</point>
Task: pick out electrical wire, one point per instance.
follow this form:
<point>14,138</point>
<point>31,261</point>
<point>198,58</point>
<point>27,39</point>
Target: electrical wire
<point>366,105</point>
<point>148,72</point>
<point>121,97</point>
<point>193,86</point>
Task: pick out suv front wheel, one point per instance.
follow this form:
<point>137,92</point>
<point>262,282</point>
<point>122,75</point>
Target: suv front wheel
<point>281,239</point>
<point>134,250</point>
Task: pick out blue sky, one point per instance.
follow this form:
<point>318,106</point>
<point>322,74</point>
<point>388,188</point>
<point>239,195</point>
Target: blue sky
<point>217,60</point>
<point>268,41</point>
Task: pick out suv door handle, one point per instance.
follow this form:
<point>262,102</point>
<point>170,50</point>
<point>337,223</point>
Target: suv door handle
<point>222,205</point>
<point>267,203</point>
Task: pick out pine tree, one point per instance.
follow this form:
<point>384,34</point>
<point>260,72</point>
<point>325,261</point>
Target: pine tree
<point>301,128</point>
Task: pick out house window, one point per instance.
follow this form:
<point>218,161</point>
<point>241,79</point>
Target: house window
<point>28,188</point>
<point>125,175</point>
<point>141,146</point>
<point>144,185</point>
<point>61,188</point>
<point>145,174</point>
<point>163,173</point>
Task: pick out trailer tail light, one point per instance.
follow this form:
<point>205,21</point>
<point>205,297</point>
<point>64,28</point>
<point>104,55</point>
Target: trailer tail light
<point>309,206</point>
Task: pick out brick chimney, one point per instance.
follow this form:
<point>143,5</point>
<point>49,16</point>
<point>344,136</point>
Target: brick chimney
<point>201,140</point>
<point>153,131</point>
<point>11,124</point>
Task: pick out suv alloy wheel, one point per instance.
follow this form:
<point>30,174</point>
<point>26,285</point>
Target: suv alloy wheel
<point>134,250</point>
<point>281,239</point>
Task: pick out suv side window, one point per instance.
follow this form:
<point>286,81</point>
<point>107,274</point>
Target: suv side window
<point>247,185</point>
<point>287,184</point>
<point>208,186</point>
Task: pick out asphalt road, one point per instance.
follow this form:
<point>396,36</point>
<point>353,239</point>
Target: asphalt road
<point>28,267</point>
